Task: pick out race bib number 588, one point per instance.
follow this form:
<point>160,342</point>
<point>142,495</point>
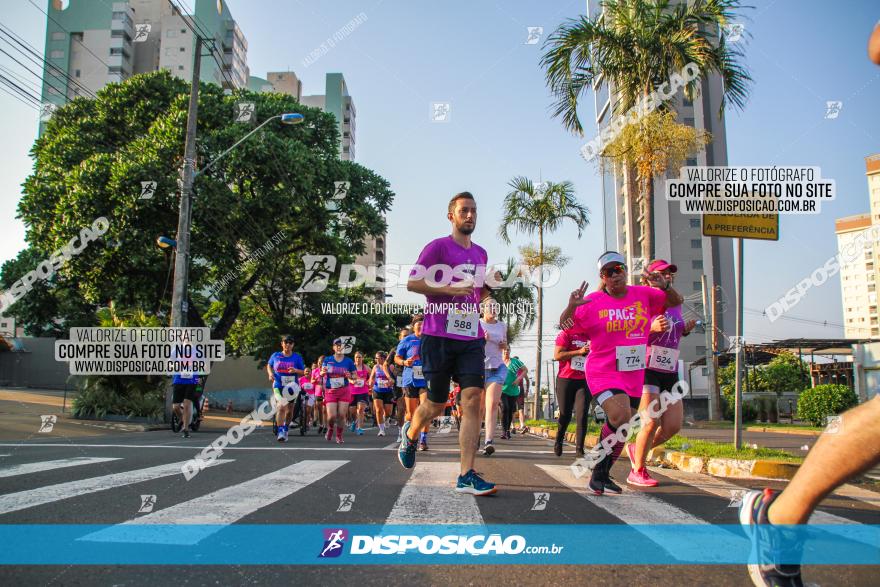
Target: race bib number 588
<point>462,323</point>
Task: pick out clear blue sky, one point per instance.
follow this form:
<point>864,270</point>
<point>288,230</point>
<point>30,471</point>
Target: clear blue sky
<point>473,55</point>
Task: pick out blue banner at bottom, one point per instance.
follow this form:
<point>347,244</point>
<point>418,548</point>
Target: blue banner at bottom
<point>245,544</point>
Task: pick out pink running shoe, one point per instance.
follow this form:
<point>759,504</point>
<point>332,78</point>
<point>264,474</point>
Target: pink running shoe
<point>329,434</point>
<point>641,478</point>
<point>339,436</point>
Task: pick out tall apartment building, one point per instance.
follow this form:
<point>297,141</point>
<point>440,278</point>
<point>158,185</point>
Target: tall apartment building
<point>678,237</point>
<point>859,250</point>
<point>337,101</point>
<point>97,43</point>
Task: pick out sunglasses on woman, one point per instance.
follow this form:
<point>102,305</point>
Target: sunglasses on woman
<point>613,270</point>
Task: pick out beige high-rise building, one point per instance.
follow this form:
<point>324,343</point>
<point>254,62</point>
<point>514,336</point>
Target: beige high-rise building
<point>96,43</point>
<point>859,250</point>
<point>337,101</point>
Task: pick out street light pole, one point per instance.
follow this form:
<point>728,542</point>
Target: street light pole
<point>179,305</point>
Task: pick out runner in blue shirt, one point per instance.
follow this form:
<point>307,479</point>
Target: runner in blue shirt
<point>284,369</point>
<point>414,384</point>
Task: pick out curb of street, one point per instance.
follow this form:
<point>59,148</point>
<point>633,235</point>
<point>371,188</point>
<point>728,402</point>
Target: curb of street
<point>735,468</point>
<point>813,433</point>
<point>113,425</point>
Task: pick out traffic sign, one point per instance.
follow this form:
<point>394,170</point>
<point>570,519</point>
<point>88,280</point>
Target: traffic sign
<point>754,226</point>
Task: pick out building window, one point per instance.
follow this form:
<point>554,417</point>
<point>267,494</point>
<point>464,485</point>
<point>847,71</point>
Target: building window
<point>58,36</point>
<point>180,67</point>
<point>691,162</point>
<point>705,371</point>
<point>57,54</point>
<point>53,91</point>
<point>76,73</point>
<point>114,70</point>
<point>697,264</point>
<point>182,49</point>
<point>695,243</point>
<point>695,222</point>
<point>698,286</point>
<point>182,31</point>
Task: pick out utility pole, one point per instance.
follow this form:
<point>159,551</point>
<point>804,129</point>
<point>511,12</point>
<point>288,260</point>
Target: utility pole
<point>737,420</point>
<point>179,304</point>
<point>709,329</point>
<point>715,390</point>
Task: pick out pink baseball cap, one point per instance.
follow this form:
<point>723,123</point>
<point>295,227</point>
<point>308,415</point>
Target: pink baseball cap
<point>661,265</point>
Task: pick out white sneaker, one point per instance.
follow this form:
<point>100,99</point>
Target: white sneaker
<point>281,436</point>
<point>381,433</point>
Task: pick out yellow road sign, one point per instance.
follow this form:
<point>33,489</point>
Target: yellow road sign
<point>756,226</point>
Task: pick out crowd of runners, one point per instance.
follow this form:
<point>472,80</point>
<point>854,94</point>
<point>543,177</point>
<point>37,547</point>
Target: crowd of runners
<point>618,346</point>
<point>336,393</point>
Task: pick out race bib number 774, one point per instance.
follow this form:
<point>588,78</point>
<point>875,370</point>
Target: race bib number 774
<point>631,358</point>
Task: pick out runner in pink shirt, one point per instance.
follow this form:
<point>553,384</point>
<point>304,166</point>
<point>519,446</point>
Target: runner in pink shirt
<point>572,393</point>
<point>319,395</point>
<point>617,320</point>
<point>661,375</point>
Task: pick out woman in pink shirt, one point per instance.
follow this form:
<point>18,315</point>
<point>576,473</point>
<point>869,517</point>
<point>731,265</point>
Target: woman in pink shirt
<point>572,393</point>
<point>319,394</point>
<point>617,320</point>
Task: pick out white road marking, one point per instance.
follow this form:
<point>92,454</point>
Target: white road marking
<point>190,447</point>
<point>28,468</point>
<point>722,488</point>
<point>207,513</point>
<point>20,500</point>
<point>429,496</point>
<point>643,511</point>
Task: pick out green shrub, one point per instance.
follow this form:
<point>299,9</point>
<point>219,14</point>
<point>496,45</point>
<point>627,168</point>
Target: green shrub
<point>121,395</point>
<point>816,404</point>
<point>749,409</point>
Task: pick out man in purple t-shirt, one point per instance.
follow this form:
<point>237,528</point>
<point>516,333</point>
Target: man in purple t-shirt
<point>450,273</point>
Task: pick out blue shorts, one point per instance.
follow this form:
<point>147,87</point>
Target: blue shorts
<point>496,375</point>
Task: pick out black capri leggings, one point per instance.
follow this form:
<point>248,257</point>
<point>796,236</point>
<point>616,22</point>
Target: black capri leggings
<point>508,409</point>
<point>573,396</point>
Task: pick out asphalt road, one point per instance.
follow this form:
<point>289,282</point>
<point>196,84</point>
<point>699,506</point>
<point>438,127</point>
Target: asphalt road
<point>44,479</point>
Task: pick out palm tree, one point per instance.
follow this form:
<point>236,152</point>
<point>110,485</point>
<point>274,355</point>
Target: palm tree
<point>635,46</point>
<point>518,294</point>
<point>530,210</point>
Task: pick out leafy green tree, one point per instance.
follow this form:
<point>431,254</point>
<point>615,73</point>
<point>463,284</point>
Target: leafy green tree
<point>272,194</point>
<point>785,373</point>
<point>540,209</point>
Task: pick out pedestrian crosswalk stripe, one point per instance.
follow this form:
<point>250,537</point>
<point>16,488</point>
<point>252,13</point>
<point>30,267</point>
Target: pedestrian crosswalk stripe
<point>429,496</point>
<point>20,500</point>
<point>27,468</point>
<point>207,514</point>
<point>723,488</point>
<point>649,515</point>
<point>857,493</point>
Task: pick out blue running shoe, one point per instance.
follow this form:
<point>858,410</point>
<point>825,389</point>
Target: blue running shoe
<point>472,483</point>
<point>774,548</point>
<point>406,452</point>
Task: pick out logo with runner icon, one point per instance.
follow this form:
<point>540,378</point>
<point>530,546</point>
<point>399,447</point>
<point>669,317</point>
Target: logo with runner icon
<point>334,542</point>
<point>319,268</point>
<point>47,423</point>
<point>346,501</point>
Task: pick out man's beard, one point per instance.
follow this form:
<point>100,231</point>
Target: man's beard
<point>464,229</point>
